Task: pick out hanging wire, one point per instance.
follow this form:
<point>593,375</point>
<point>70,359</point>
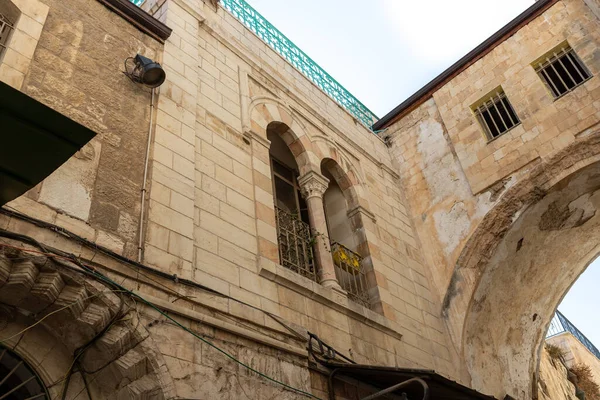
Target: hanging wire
<point>91,271</point>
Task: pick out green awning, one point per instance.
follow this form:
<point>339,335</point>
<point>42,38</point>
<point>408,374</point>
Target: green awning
<point>34,141</point>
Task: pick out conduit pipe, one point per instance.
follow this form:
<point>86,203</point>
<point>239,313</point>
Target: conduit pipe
<point>144,182</point>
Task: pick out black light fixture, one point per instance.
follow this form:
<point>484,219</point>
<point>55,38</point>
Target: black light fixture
<point>145,71</point>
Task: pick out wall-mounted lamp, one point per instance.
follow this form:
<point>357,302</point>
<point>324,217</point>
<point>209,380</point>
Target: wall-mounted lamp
<point>145,71</point>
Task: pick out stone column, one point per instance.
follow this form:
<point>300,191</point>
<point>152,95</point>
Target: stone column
<point>313,185</point>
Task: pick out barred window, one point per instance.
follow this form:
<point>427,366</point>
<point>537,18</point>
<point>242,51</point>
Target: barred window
<point>6,27</point>
<point>562,71</point>
<point>496,115</point>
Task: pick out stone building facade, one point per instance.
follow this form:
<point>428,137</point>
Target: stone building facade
<point>193,202</point>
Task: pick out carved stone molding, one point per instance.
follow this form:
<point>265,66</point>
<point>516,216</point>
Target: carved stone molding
<point>252,135</point>
<point>363,211</point>
<point>313,184</point>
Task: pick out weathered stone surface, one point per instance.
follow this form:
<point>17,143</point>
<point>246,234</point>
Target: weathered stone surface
<point>447,223</point>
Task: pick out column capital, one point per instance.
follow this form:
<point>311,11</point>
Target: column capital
<point>313,184</point>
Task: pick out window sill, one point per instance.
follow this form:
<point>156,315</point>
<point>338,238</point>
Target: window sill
<point>326,296</point>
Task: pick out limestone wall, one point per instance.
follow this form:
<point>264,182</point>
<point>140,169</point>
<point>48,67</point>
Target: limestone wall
<point>466,194</point>
<point>76,69</point>
<point>576,353</point>
<point>553,382</point>
<point>210,216</point>
<point>444,155</point>
<point>211,203</point>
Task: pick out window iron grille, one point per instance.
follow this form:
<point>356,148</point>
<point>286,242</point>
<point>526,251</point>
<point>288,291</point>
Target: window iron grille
<point>295,244</point>
<point>562,71</point>
<point>6,27</point>
<point>248,16</point>
<point>560,324</point>
<point>350,273</point>
<point>496,115</point>
<point>18,380</point>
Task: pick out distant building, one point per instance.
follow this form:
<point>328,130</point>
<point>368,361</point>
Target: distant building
<point>577,348</point>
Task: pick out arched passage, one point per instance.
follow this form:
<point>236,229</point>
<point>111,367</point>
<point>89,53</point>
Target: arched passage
<point>532,266</point>
<point>49,313</point>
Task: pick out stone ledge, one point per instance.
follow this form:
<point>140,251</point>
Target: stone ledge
<point>326,296</point>
<point>225,326</point>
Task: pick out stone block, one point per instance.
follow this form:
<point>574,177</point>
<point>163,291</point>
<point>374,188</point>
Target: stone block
<point>171,219</point>
<point>181,246</point>
<point>217,266</point>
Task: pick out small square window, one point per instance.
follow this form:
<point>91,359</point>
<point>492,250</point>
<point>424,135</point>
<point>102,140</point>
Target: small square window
<point>562,71</point>
<point>495,114</point>
<point>5,28</point>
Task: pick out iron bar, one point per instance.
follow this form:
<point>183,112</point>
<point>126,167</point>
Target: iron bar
<point>557,62</point>
<point>487,109</point>
<point>6,27</point>
<point>570,55</point>
<point>551,82</point>
<point>502,98</point>
<point>498,110</point>
<point>37,396</point>
<point>551,64</point>
<point>17,387</point>
<point>295,244</point>
<point>484,113</point>
<point>11,372</point>
<point>484,123</point>
<point>350,273</point>
<point>559,59</point>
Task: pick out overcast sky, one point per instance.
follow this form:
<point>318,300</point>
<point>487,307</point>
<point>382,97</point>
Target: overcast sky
<point>383,51</point>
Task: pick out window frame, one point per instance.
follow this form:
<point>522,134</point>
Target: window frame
<point>489,102</point>
<point>549,59</point>
<point>6,28</point>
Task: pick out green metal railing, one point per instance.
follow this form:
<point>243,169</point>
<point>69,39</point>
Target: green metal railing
<point>288,50</point>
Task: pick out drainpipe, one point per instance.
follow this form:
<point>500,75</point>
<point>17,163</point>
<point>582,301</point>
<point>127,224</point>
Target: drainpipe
<point>143,203</point>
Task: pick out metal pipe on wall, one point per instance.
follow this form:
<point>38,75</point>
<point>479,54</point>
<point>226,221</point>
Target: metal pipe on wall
<point>143,190</point>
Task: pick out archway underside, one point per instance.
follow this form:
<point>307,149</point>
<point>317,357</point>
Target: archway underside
<point>49,314</point>
<point>535,263</point>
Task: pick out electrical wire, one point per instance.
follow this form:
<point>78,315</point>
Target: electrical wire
<point>48,315</point>
<point>137,266</point>
<point>99,276</point>
<point>226,354</point>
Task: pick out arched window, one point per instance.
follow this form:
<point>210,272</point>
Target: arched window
<point>18,380</point>
<point>9,14</point>
<point>291,212</point>
<point>349,266</point>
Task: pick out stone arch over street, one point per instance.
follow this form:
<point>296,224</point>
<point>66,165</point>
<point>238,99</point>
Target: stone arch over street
<point>519,263</point>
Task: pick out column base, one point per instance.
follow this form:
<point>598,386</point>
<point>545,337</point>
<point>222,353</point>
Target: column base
<point>333,284</point>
